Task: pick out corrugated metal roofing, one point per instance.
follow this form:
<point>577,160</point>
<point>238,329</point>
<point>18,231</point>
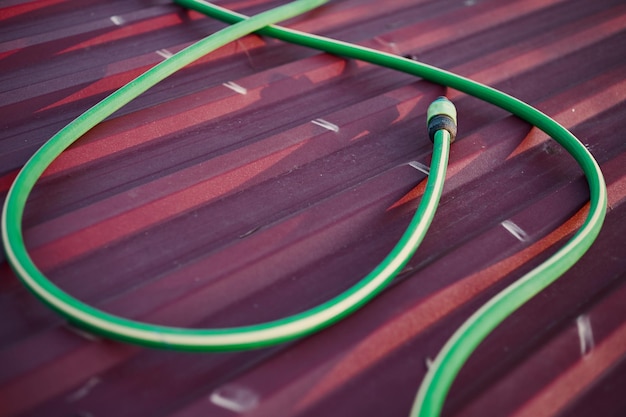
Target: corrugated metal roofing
<point>268,177</point>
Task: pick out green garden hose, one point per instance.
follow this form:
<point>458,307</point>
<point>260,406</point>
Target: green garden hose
<point>453,355</point>
<point>244,337</point>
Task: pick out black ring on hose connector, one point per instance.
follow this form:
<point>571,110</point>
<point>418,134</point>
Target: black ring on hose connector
<point>441,121</point>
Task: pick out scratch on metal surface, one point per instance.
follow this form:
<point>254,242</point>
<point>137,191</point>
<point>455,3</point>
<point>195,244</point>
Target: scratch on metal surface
<point>515,230</point>
<point>326,124</point>
<point>391,44</point>
<point>235,87</point>
<point>249,232</point>
<point>235,398</point>
<point>420,167</point>
<point>585,334</point>
<point>84,390</point>
<point>117,20</point>
<point>406,270</point>
<point>164,53</point>
<point>244,48</point>
<point>82,333</point>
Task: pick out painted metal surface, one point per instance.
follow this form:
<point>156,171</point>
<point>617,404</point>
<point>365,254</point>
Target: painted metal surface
<point>268,177</point>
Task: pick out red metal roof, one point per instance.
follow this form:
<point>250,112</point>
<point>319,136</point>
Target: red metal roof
<point>200,206</point>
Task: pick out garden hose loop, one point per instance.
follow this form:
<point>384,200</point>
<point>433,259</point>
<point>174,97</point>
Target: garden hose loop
<point>236,338</point>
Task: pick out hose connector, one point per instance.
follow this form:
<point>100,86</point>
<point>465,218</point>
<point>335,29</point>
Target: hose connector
<point>441,115</point>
